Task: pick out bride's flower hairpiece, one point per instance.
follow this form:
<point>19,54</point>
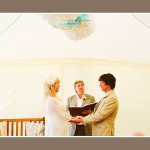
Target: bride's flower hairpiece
<point>52,79</point>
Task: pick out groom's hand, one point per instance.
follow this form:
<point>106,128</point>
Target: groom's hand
<point>86,112</point>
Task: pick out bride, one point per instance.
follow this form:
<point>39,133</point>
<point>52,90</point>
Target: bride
<point>57,117</point>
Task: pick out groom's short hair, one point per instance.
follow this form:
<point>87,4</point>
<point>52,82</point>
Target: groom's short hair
<point>109,79</point>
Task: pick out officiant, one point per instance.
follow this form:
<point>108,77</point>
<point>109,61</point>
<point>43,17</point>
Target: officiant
<point>78,100</point>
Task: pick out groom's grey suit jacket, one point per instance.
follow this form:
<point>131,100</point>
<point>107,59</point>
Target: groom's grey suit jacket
<point>72,101</point>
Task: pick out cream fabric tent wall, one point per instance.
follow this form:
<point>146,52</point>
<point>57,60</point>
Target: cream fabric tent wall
<point>23,71</point>
<point>22,89</point>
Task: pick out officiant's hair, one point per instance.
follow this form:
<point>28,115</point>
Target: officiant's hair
<point>109,79</point>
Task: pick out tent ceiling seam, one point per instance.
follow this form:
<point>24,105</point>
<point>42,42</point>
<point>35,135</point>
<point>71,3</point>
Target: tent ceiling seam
<point>140,21</point>
<point>11,24</point>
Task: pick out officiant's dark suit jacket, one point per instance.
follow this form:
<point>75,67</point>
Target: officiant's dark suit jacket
<point>72,101</point>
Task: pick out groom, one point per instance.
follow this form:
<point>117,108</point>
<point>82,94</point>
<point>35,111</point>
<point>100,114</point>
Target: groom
<point>79,100</point>
<point>105,112</point>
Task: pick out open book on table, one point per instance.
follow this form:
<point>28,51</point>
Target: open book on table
<point>77,111</point>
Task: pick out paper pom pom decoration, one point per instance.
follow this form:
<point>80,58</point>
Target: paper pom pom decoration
<point>75,26</point>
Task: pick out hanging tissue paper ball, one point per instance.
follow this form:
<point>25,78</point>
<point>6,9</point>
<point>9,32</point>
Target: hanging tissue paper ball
<point>75,26</point>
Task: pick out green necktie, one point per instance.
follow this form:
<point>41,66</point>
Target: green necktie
<point>97,105</point>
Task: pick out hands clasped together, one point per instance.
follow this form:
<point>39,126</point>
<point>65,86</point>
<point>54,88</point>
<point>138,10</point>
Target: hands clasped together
<point>80,118</point>
<point>76,120</point>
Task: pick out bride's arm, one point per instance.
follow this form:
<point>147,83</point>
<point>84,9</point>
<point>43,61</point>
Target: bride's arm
<point>59,110</point>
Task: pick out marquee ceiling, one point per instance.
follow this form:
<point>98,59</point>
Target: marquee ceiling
<point>114,36</point>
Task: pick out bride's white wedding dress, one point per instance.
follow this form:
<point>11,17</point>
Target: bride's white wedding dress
<point>57,118</point>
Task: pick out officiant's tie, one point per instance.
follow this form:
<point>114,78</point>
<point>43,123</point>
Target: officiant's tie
<point>97,105</point>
